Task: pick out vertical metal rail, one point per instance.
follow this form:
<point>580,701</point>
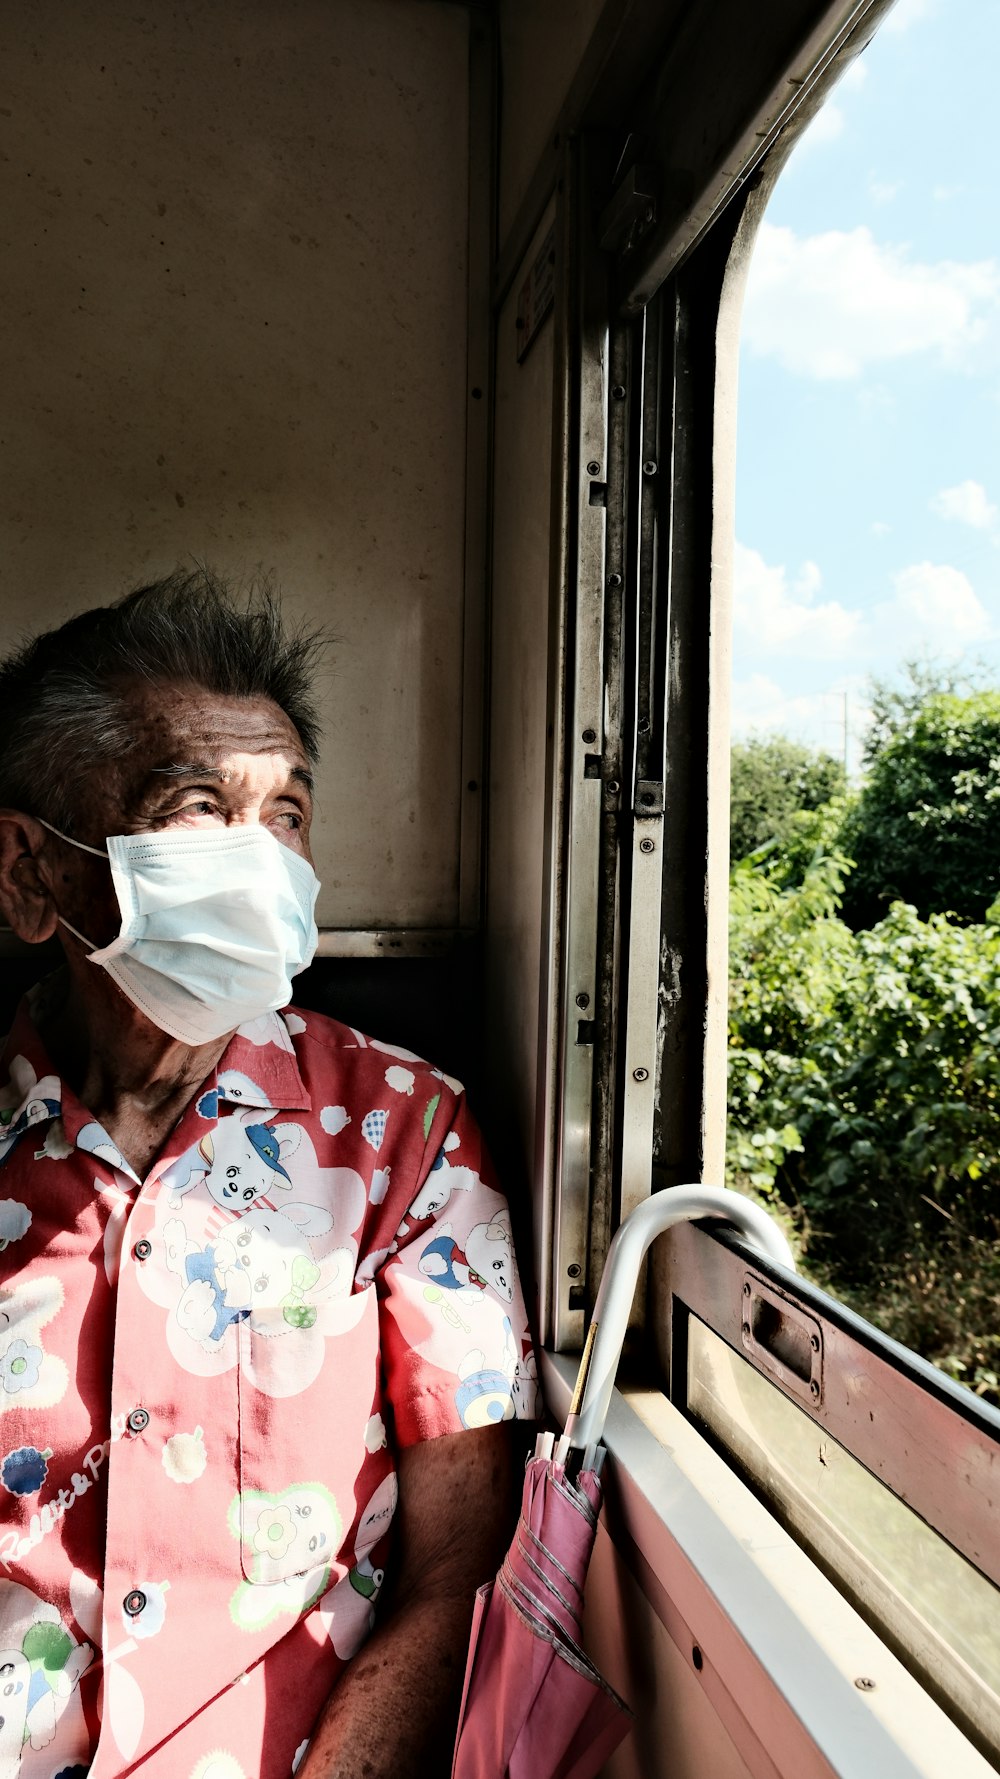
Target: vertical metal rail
<point>625,403</point>
<point>640,1070</point>
<point>583,717</point>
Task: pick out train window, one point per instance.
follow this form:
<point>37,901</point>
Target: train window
<point>866,535</point>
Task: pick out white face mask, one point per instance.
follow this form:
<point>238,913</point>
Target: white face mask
<point>215,923</point>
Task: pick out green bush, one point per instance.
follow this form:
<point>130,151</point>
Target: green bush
<point>926,826</point>
<point>771,780</point>
<point>865,1093</point>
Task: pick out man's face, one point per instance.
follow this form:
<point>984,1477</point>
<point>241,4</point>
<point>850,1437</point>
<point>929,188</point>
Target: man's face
<point>200,760</point>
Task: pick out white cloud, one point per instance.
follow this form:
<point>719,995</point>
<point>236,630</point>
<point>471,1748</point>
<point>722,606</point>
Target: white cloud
<point>761,706</point>
<point>934,607</point>
<point>904,14</point>
<point>882,191</point>
<point>830,305</point>
<point>773,615</point>
<point>943,194</point>
<point>879,528</point>
<point>968,503</point>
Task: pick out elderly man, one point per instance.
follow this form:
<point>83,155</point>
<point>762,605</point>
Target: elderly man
<point>254,1281</point>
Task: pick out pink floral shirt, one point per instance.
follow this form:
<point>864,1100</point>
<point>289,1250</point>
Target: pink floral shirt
<point>203,1378</point>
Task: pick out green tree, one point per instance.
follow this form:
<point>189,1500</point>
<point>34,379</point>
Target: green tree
<point>926,827</point>
<point>771,780</point>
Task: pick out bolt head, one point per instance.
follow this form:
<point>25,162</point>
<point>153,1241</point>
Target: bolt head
<point>583,1000</point>
<point>613,787</point>
<point>574,1271</point>
<point>614,580</point>
<point>589,735</point>
<point>649,467</point>
<point>618,392</point>
<point>814,1388</point>
<point>647,846</point>
<point>640,1074</point>
<point>593,468</point>
<point>864,1684</point>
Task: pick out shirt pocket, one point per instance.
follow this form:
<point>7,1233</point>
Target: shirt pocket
<point>307,1398</point>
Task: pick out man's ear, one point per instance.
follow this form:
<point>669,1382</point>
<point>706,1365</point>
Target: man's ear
<point>26,901</point>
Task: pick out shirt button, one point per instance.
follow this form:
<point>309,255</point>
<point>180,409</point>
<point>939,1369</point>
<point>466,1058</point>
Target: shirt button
<point>135,1602</point>
<point>137,1422</point>
<point>143,1249</point>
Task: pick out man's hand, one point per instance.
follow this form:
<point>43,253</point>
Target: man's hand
<point>395,1709</point>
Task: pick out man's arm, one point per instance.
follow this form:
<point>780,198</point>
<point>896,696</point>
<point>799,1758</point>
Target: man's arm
<point>394,1710</point>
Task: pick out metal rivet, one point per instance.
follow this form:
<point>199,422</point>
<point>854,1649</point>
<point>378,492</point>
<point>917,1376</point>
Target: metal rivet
<point>640,1074</point>
<point>864,1685</point>
<point>593,467</point>
<point>614,580</point>
<point>574,1271</point>
<point>814,1342</point>
<point>589,735</point>
<point>647,846</point>
<point>747,1289</point>
<point>583,1000</point>
<point>649,467</point>
<point>135,1602</point>
<point>746,1331</point>
<point>618,392</point>
<point>613,787</point>
<point>814,1388</point>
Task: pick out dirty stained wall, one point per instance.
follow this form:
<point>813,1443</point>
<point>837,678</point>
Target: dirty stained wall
<point>233,275</point>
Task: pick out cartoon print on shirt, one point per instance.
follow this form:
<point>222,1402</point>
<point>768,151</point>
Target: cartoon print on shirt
<point>286,1273</point>
<point>40,1668</point>
<point>38,1100</point>
<point>288,1542</point>
<point>373,1128</point>
<point>238,1161</point>
<point>442,1181</point>
<point>152,1613</point>
<point>226,1280</point>
<point>184,1456</point>
<point>23,1471</point>
<point>15,1221</point>
<point>94,1139</point>
<point>348,1609</point>
<point>486,1261</point>
<point>29,1376</point>
<point>219,1764</point>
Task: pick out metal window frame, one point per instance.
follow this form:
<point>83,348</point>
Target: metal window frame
<point>880,1401</point>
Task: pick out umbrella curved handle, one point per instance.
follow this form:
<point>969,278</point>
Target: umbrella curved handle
<point>675,1204</point>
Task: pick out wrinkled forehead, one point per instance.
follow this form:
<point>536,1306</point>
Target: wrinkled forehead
<point>174,730</point>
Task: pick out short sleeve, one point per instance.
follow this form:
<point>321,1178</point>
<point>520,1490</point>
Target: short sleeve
<point>456,1350</point>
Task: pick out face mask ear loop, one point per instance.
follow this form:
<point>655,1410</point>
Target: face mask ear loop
<point>89,943</point>
<point>96,850</point>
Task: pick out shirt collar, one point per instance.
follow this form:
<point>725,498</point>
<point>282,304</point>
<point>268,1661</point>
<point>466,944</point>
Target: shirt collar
<point>257,1068</point>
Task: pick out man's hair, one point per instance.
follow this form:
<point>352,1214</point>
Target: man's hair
<point>63,695</point>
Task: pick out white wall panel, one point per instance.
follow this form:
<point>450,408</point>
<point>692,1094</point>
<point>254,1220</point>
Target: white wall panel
<point>233,276</point>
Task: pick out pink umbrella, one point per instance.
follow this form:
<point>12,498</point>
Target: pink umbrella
<point>534,1705</point>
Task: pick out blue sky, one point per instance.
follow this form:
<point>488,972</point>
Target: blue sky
<point>868,470</point>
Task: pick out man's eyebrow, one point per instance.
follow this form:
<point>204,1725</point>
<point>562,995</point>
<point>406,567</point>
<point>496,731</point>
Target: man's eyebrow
<point>200,769</point>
